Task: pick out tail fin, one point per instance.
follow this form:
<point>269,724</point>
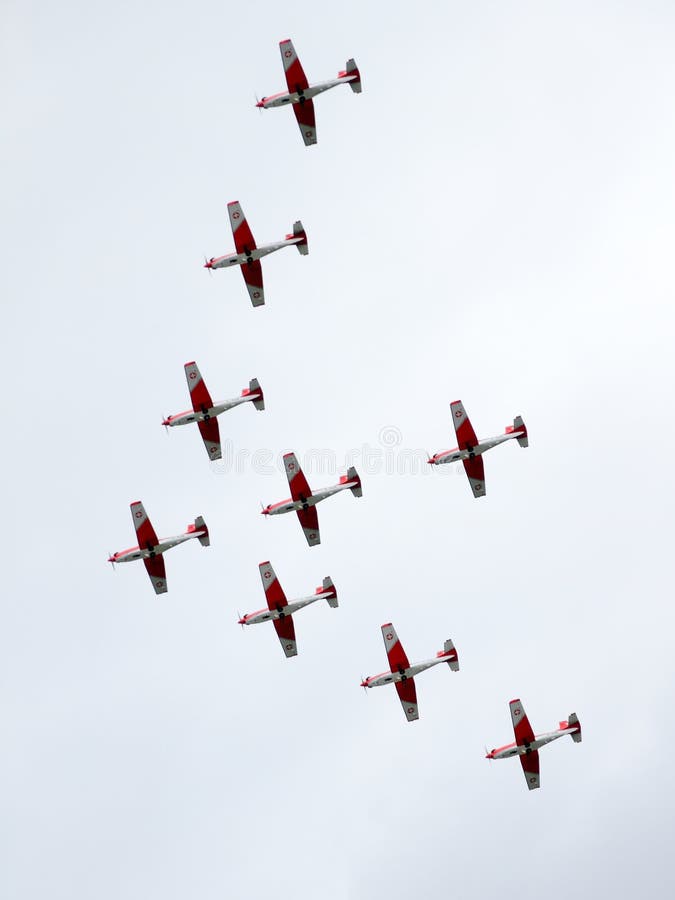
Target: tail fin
<point>200,525</point>
<point>573,722</point>
<point>299,231</point>
<point>329,588</point>
<point>519,425</point>
<point>353,475</point>
<point>352,69</point>
<point>449,647</point>
<point>254,388</point>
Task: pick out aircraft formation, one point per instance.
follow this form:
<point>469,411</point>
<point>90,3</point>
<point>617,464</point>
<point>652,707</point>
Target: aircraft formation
<point>303,501</point>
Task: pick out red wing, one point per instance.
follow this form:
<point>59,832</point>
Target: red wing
<point>211,436</point>
<point>157,572</point>
<point>145,533</point>
<point>475,471</point>
<point>309,520</point>
<point>408,697</point>
<point>295,74</point>
<point>297,482</point>
<point>521,724</point>
<point>466,436</point>
<point>199,395</point>
<point>530,764</point>
<point>286,633</point>
<point>276,599</point>
<point>304,113</point>
<point>243,238</point>
<point>398,661</point>
<point>253,277</point>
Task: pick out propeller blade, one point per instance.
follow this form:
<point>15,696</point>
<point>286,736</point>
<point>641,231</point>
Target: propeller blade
<point>206,265</point>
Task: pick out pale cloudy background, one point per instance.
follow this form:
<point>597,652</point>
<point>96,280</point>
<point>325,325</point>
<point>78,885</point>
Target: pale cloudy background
<point>491,220</point>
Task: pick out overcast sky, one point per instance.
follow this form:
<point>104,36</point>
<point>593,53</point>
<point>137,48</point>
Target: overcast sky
<point>491,220</point>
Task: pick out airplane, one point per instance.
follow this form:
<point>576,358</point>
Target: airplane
<point>300,91</point>
<point>248,254</point>
<point>280,611</point>
<point>150,548</point>
<point>527,744</point>
<point>470,449</point>
<point>402,673</point>
<point>303,501</point>
<point>204,410</point>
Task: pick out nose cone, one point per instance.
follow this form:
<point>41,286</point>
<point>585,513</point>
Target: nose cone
<point>490,755</point>
<point>265,511</point>
<point>260,104</point>
<point>432,460</point>
<point>364,683</point>
<point>111,558</point>
<point>209,263</point>
<point>242,621</point>
<point>166,421</point>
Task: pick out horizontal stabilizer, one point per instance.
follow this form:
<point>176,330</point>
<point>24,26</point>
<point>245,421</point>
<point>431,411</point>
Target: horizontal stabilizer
<point>449,647</point>
<point>200,525</point>
<point>519,425</point>
<point>254,388</point>
<point>299,231</point>
<point>352,69</point>
<point>573,722</point>
<point>353,475</point>
<point>329,587</point>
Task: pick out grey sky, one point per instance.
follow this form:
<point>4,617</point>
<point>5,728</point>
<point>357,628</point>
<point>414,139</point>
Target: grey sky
<point>491,220</point>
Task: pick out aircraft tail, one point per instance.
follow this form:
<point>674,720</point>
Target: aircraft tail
<point>449,647</point>
<point>299,231</point>
<point>519,425</point>
<point>254,388</point>
<point>200,525</point>
<point>353,475</point>
<point>573,722</point>
<point>329,588</point>
<point>352,69</point>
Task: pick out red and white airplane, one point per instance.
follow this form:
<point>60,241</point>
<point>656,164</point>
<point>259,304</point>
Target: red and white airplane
<point>402,674</point>
<point>470,450</point>
<point>204,410</point>
<point>280,612</point>
<point>303,501</point>
<point>248,254</point>
<point>527,744</point>
<point>300,91</point>
<point>150,548</point>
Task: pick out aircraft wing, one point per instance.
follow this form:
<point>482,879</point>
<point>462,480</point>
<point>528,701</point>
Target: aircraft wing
<point>475,471</point>
<point>145,533</point>
<point>398,661</point>
<point>297,482</point>
<point>521,724</point>
<point>243,238</point>
<point>466,436</point>
<point>211,436</point>
<point>309,519</point>
<point>408,697</point>
<point>253,277</point>
<point>304,113</point>
<point>530,763</point>
<point>286,633</point>
<point>295,74</point>
<point>199,395</point>
<point>276,599</point>
<point>157,572</point>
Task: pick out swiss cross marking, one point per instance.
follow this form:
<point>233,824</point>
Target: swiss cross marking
<point>287,53</point>
<point>193,375</point>
<point>389,635</point>
<point>268,574</point>
<point>458,413</point>
<point>139,514</point>
<point>236,215</point>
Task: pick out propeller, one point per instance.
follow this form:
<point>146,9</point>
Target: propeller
<point>111,560</point>
<point>166,427</point>
<point>206,264</point>
<point>263,508</point>
<point>257,103</point>
<point>239,622</point>
<point>364,678</point>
